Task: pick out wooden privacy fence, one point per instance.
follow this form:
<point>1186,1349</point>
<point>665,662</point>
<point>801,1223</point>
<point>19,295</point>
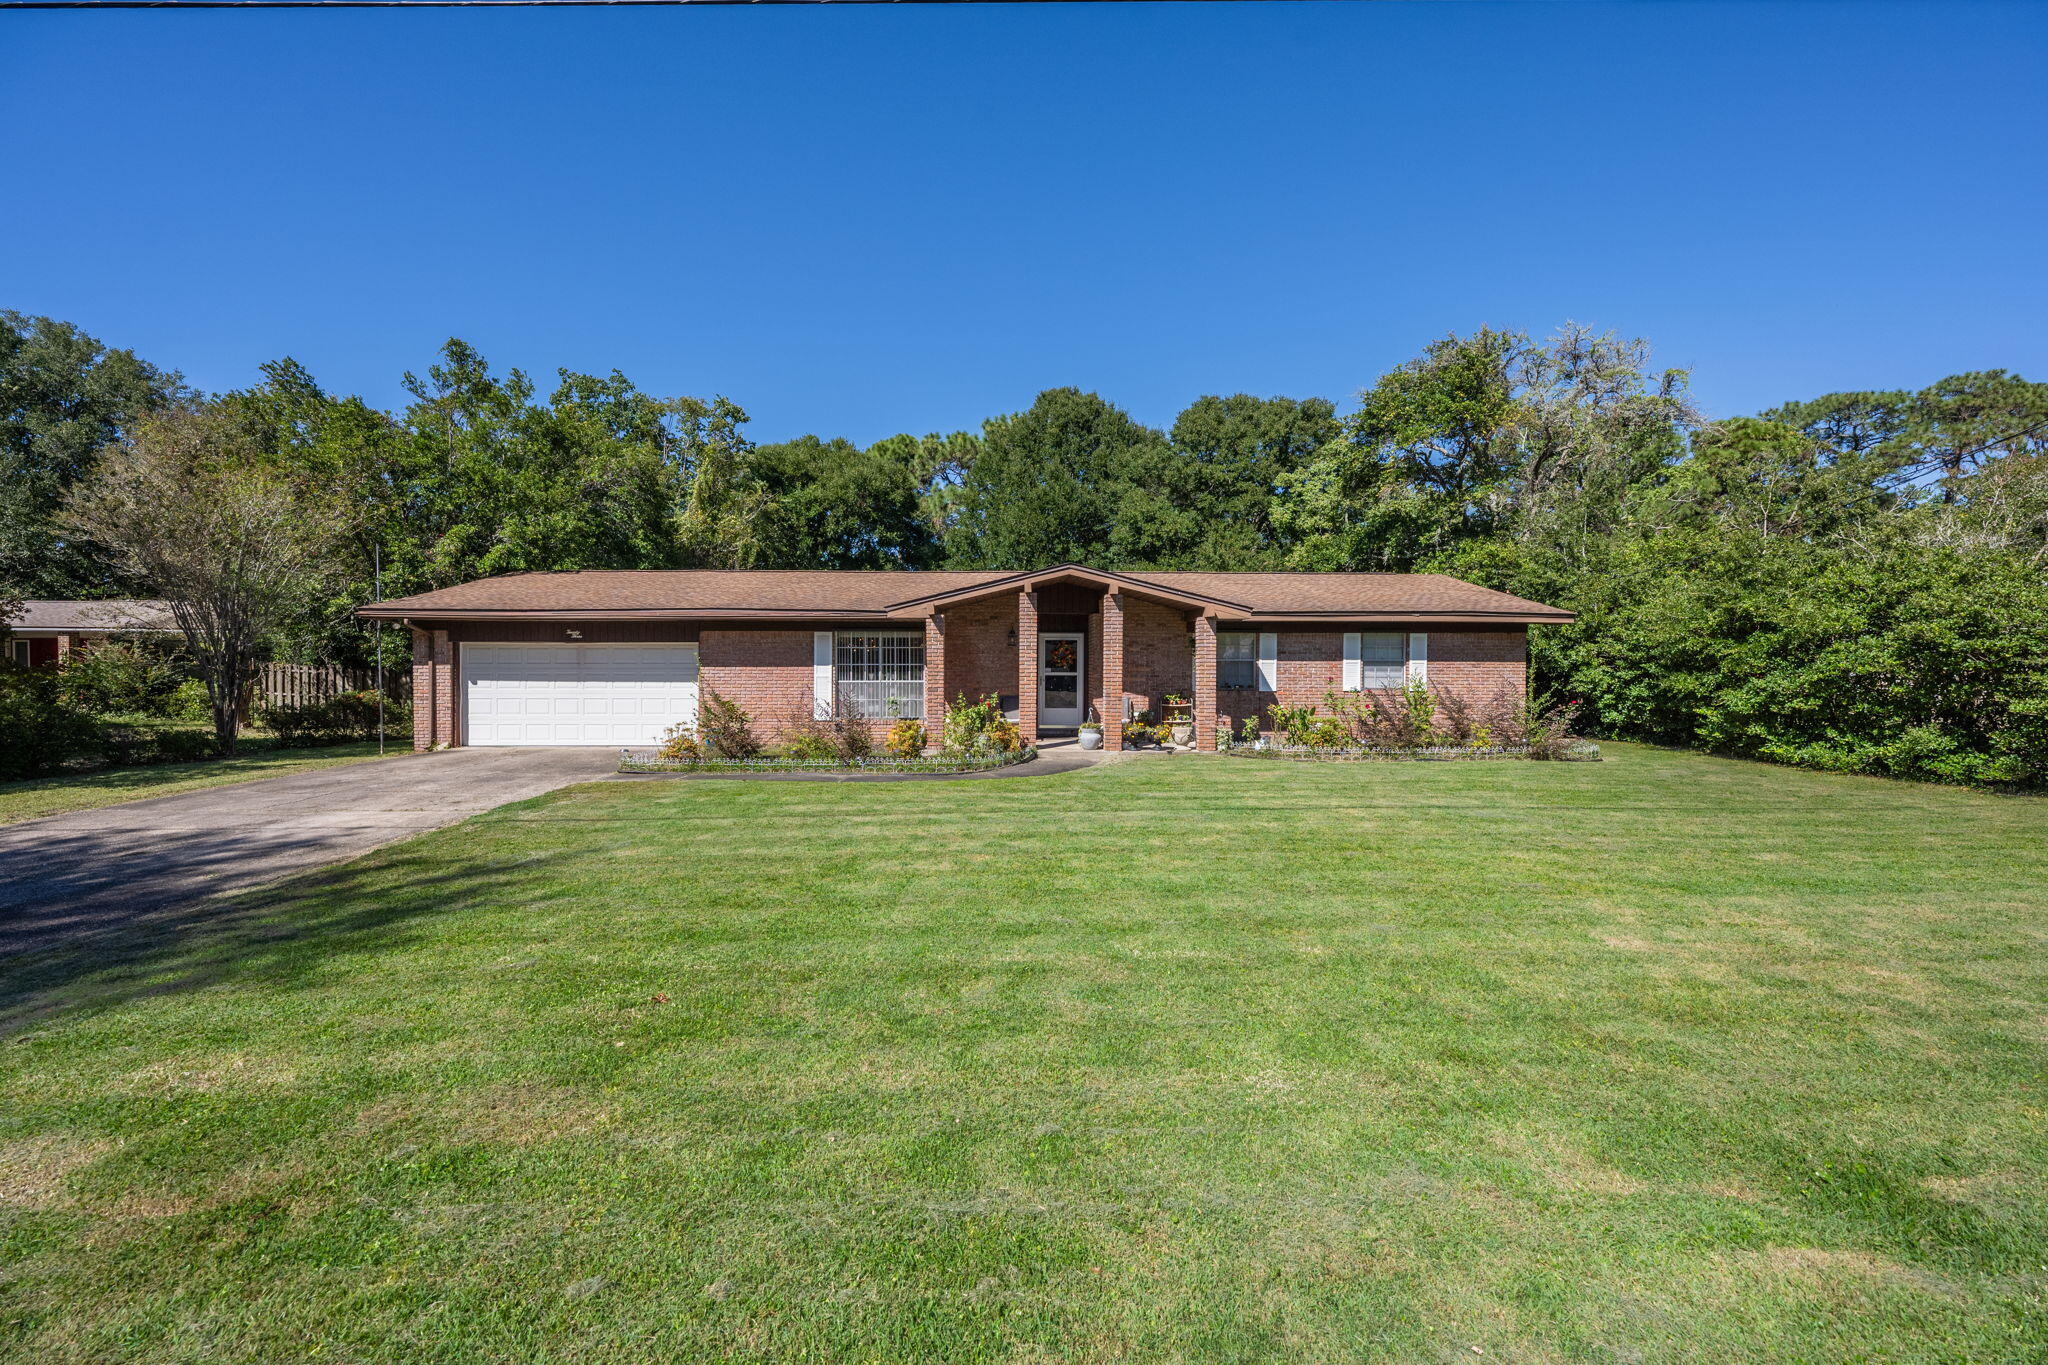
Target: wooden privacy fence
<point>299,684</point>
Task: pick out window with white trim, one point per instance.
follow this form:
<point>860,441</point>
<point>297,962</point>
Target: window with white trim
<point>1382,659</point>
<point>1237,659</point>
<point>21,651</point>
<point>880,674</point>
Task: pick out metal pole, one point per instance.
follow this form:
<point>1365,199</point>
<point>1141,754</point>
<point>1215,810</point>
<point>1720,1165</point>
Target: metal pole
<point>377,571</point>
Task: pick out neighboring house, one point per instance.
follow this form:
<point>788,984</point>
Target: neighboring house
<point>617,656</point>
<point>44,632</point>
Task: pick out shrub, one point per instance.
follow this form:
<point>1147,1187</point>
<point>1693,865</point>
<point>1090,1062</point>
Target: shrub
<point>906,739</point>
<point>1294,724</point>
<point>1005,735</point>
<point>679,743</point>
<point>1465,723</point>
<point>850,736</point>
<point>337,720</point>
<point>1384,718</point>
<point>843,736</point>
<point>118,677</point>
<point>1421,705</point>
<point>725,729</point>
<point>968,722</point>
<point>190,702</point>
<point>1328,732</point>
<point>39,730</point>
<point>1897,652</point>
<point>809,746</point>
<point>1547,730</point>
<point>135,743</point>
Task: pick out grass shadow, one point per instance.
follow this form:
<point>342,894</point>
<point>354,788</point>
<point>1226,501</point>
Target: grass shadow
<point>278,933</point>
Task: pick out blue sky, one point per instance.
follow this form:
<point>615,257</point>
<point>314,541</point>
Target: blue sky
<point>856,221</point>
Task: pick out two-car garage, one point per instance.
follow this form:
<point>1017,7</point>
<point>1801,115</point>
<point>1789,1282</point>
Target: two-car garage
<point>542,694</point>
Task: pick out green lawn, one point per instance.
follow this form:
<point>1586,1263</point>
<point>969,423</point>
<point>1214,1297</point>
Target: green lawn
<point>54,795</point>
<point>1668,1058</point>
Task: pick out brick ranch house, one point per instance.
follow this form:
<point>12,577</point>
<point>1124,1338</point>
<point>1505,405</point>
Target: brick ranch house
<point>615,657</point>
<point>45,632</point>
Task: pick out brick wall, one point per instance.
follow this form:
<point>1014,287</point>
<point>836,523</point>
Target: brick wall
<point>1157,659</point>
<point>766,672</point>
<point>1475,664</point>
<point>980,659</point>
<point>1479,665</point>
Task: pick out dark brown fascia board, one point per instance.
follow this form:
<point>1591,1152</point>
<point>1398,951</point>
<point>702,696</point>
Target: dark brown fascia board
<point>918,606</point>
<point>1331,618</point>
<point>454,615</point>
<point>1338,618</point>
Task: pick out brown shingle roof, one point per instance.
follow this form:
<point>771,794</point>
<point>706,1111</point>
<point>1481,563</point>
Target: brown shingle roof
<point>113,613</point>
<point>1350,594</point>
<point>685,592</point>
<point>864,593</point>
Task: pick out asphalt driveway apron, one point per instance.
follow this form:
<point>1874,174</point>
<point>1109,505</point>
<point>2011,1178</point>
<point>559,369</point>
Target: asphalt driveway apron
<point>73,875</point>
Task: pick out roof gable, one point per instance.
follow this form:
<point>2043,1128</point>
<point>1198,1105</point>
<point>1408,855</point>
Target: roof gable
<point>1032,578</point>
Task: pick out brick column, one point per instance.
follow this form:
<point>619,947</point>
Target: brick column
<point>1112,670</point>
<point>422,689</point>
<point>450,719</point>
<point>441,707</point>
<point>1027,664</point>
<point>1092,694</point>
<point>934,678</point>
<point>1205,684</point>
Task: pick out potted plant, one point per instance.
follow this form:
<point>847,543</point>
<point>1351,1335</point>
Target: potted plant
<point>1091,734</point>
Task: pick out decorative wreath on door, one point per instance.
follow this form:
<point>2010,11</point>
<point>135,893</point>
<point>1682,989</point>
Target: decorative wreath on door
<point>1060,655</point>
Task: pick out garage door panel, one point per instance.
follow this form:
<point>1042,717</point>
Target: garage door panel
<point>577,694</point>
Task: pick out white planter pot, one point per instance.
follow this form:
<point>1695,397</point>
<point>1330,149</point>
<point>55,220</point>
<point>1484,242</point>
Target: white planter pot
<point>1183,735</point>
<point>1091,739</point>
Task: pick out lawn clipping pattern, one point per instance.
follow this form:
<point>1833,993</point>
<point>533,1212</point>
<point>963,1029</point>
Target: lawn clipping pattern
<point>1670,1060</point>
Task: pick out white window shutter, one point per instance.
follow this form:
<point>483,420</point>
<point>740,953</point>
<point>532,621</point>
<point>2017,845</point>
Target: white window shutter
<point>1418,658</point>
<point>821,673</point>
<point>1269,662</point>
<point>1354,668</point>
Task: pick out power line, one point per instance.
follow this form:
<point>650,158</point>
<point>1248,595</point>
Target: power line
<point>579,4</point>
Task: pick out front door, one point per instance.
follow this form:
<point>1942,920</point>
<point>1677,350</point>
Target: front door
<point>1059,681</point>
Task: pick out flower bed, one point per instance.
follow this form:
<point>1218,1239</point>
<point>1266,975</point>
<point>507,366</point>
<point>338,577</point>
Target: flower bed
<point>1578,752</point>
<point>629,762</point>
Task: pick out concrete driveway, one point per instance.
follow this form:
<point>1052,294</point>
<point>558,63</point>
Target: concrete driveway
<point>70,875</point>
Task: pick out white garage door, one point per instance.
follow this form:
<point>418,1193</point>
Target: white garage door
<point>576,694</point>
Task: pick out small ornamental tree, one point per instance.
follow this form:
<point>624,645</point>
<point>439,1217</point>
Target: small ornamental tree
<point>189,506</point>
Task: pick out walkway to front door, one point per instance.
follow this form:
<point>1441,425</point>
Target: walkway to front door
<point>1060,670</point>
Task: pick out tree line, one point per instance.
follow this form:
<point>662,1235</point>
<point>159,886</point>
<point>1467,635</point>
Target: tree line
<point>1853,581</point>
